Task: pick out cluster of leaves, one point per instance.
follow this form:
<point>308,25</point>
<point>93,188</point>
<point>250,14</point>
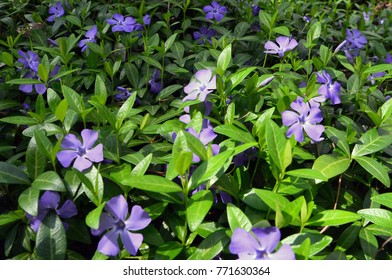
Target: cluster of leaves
<point>329,199</point>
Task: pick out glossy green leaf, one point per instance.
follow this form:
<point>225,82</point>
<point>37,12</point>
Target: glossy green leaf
<point>378,68</point>
<point>11,217</point>
<point>35,159</point>
<point>371,142</point>
<point>51,241</point>
<point>368,243</point>
<point>381,217</point>
<point>331,165</point>
<point>74,100</point>
<point>196,146</point>
<point>348,237</point>
<point>237,77</point>
<point>224,60</point>
<point>142,166</point>
<point>339,138</point>
<point>211,246</point>
<point>375,168</point>
<point>100,90</point>
<point>28,201</point>
<point>235,133</point>
<point>307,173</point>
<point>276,142</point>
<point>318,241</point>
<point>19,120</point>
<point>49,181</point>
<point>198,207</point>
<point>264,199</point>
<point>125,110</point>
<point>10,174</point>
<point>384,199</point>
<point>168,251</point>
<point>237,218</point>
<point>152,183</point>
<point>333,218</point>
<point>92,218</point>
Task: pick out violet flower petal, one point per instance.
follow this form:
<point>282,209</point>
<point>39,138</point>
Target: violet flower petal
<point>132,241</point>
<point>108,245</point>
<point>68,209</point>
<point>268,237</point>
<point>118,207</point>
<point>66,157</point>
<point>81,163</point>
<point>243,242</point>
<point>138,219</point>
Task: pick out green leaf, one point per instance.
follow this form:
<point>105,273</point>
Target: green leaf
<point>375,168</point>
<point>371,142</point>
<point>125,110</point>
<point>168,91</point>
<point>314,32</point>
<point>24,81</point>
<point>307,173</point>
<point>378,68</point>
<point>211,246</point>
<point>35,159</point>
<point>368,243</point>
<point>10,174</point>
<point>265,19</point>
<point>7,58</point>
<point>49,181</point>
<point>276,142</point>
<point>43,143</point>
<point>283,30</point>
<point>339,138</point>
<point>169,42</point>
<point>196,146</point>
<point>237,218</point>
<point>142,166</point>
<point>235,133</point>
<point>237,77</point>
<point>92,218</point>
<point>74,100</point>
<point>379,230</point>
<point>331,165</point>
<point>224,60</point>
<point>264,199</point>
<point>11,217</point>
<point>208,169</point>
<point>198,207</point>
<point>241,29</point>
<point>183,162</point>
<point>20,120</point>
<point>74,20</point>
<point>333,218</point>
<point>168,250</point>
<point>100,91</point>
<point>318,241</point>
<point>151,183</point>
<point>381,217</point>
<point>384,199</point>
<point>51,241</point>
<point>7,104</point>
<point>61,110</point>
<point>43,73</point>
<point>348,237</point>
<point>155,210</point>
<point>28,201</point>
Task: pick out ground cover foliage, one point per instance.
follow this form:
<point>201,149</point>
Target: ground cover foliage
<point>195,129</point>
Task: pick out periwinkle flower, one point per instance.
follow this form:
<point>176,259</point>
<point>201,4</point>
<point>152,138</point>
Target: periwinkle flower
<point>306,18</point>
<point>200,86</point>
<point>355,39</point>
<point>215,11</point>
<point>285,44</point>
<point>146,19</point>
<point>255,10</point>
<point>50,201</point>
<point>116,223</point>
<point>260,244</point>
<point>388,58</point>
<point>203,35</point>
<point>328,89</point>
<point>123,94</point>
<point>155,82</point>
<point>120,23</point>
<point>55,11</point>
<point>304,118</point>
<point>372,77</point>
<point>39,88</point>
<point>90,38</point>
<point>366,16</point>
<point>82,153</point>
<point>29,60</point>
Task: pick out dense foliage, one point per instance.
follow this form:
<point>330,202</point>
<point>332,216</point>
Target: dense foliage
<point>195,129</point>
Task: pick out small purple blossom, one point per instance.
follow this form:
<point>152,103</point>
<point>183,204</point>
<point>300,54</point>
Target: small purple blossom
<point>29,60</point>
<point>306,18</point>
<point>285,44</point>
<point>328,89</point>
<point>259,245</point>
<point>200,86</point>
<point>121,24</point>
<point>203,35</point>
<point>123,94</point>
<point>50,201</point>
<point>155,82</point>
<point>116,222</point>
<point>304,118</point>
<point>372,77</point>
<point>82,153</point>
<point>55,11</point>
<point>39,88</point>
<point>355,39</point>
<point>255,10</point>
<point>366,16</point>
<point>90,38</point>
<point>388,58</point>
<point>215,11</point>
<point>146,19</point>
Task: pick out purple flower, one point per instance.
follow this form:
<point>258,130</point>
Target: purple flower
<point>215,11</point>
<point>199,87</point>
<point>115,222</point>
<point>83,153</point>
<point>204,35</point>
<point>366,16</point>
<point>119,23</point>
<point>39,88</point>
<point>255,10</point>
<point>259,245</point>
<point>50,201</point>
<point>355,39</point>
<point>307,18</point>
<point>388,58</point>
<point>305,118</point>
<point>372,77</point>
<point>90,38</point>
<point>146,19</point>
<point>155,82</point>
<point>328,89</point>
<point>29,60</point>
<point>123,95</point>
<point>55,11</point>
<point>285,44</point>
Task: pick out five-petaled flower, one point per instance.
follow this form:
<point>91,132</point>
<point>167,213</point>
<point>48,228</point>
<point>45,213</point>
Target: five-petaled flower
<point>55,11</point>
<point>328,89</point>
<point>260,244</point>
<point>120,23</point>
<point>285,44</point>
<point>215,11</point>
<point>199,87</point>
<point>40,88</point>
<point>155,82</point>
<point>305,118</point>
<point>50,201</point>
<point>29,60</point>
<point>83,154</point>
<point>123,94</point>
<point>203,35</point>
<point>116,223</point>
<point>90,38</point>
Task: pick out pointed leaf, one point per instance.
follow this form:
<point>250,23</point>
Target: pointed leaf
<point>198,207</point>
<point>375,168</point>
<point>152,183</point>
<point>381,217</point>
<point>331,165</point>
<point>10,174</point>
<point>49,181</point>
<point>333,218</point>
<point>237,218</point>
